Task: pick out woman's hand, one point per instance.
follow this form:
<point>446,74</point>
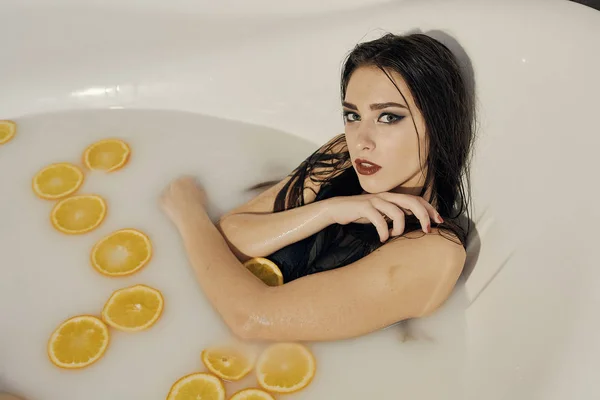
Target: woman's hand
<point>373,208</point>
<point>182,198</point>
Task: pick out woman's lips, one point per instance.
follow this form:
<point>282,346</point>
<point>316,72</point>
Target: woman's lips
<point>366,167</point>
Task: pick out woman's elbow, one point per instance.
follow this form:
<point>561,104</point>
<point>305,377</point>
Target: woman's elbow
<point>244,332</point>
<point>223,227</point>
<point>229,232</point>
<point>250,324</point>
<point>245,327</point>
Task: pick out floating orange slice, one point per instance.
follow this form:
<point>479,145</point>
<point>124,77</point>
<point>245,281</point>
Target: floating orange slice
<point>7,131</point>
<point>78,214</point>
<point>229,363</point>
<point>57,181</point>
<point>121,253</point>
<point>198,386</point>
<point>285,368</point>
<point>106,155</point>
<point>133,308</point>
<point>252,394</point>
<point>266,270</point>
<point>78,342</point>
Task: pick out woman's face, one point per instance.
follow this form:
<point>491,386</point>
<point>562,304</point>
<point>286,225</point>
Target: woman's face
<point>380,133</point>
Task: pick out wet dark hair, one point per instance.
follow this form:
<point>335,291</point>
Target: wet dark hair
<point>444,98</point>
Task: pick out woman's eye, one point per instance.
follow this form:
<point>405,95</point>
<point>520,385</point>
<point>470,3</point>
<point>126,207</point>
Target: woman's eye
<point>388,118</point>
<point>351,117</point>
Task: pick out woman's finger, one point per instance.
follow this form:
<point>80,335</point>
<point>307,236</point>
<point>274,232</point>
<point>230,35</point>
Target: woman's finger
<point>393,212</point>
<point>377,220</point>
<point>433,213</point>
<point>414,205</point>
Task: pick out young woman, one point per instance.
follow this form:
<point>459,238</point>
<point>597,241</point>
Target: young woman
<point>366,229</point>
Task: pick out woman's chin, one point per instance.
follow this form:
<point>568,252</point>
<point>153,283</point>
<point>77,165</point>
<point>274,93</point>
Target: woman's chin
<point>371,186</point>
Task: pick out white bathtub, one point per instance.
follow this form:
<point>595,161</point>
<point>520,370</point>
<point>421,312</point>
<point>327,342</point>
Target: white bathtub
<point>529,300</point>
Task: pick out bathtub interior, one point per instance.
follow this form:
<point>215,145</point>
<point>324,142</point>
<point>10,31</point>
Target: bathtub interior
<point>528,293</point>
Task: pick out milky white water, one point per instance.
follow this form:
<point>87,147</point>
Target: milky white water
<point>45,276</point>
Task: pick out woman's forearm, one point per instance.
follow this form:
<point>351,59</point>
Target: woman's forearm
<point>259,235</point>
<point>222,278</point>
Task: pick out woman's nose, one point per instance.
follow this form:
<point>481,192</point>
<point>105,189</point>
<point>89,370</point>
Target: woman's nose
<point>365,139</point>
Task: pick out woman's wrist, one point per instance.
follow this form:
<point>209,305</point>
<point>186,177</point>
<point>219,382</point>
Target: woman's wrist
<point>328,207</point>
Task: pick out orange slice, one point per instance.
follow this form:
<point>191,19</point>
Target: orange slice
<point>228,363</point>
<point>57,181</point>
<point>198,386</point>
<point>78,214</point>
<point>252,394</point>
<point>106,155</point>
<point>7,131</point>
<point>285,368</point>
<point>133,308</point>
<point>266,270</point>
<point>78,342</point>
<point>121,253</point>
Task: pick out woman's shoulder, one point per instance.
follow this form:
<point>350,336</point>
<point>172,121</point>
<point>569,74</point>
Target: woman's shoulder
<point>421,258</point>
<point>441,241</point>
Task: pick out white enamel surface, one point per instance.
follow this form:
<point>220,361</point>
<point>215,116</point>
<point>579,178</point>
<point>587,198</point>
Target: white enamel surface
<point>522,326</point>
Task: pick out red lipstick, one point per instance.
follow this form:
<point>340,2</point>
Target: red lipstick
<point>366,167</point>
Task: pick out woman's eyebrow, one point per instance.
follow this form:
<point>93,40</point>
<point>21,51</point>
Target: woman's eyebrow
<point>349,105</point>
<point>375,106</point>
<point>380,106</point>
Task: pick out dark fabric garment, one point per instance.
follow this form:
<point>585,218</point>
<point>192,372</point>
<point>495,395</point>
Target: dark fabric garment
<point>333,247</point>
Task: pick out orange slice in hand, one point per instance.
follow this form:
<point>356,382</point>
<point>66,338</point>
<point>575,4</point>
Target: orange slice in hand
<point>285,368</point>
<point>266,270</point>
<point>7,131</point>
<point>121,253</point>
<point>78,214</point>
<point>78,342</point>
<point>198,386</point>
<point>252,394</point>
<point>133,308</point>
<point>57,181</point>
<point>228,363</point>
<point>106,155</point>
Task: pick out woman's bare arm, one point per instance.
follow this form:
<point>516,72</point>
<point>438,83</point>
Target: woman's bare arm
<point>403,279</point>
<point>260,234</point>
<point>254,230</point>
<point>406,278</point>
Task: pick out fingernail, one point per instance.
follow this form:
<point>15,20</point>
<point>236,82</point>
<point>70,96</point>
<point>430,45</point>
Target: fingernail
<point>441,220</point>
